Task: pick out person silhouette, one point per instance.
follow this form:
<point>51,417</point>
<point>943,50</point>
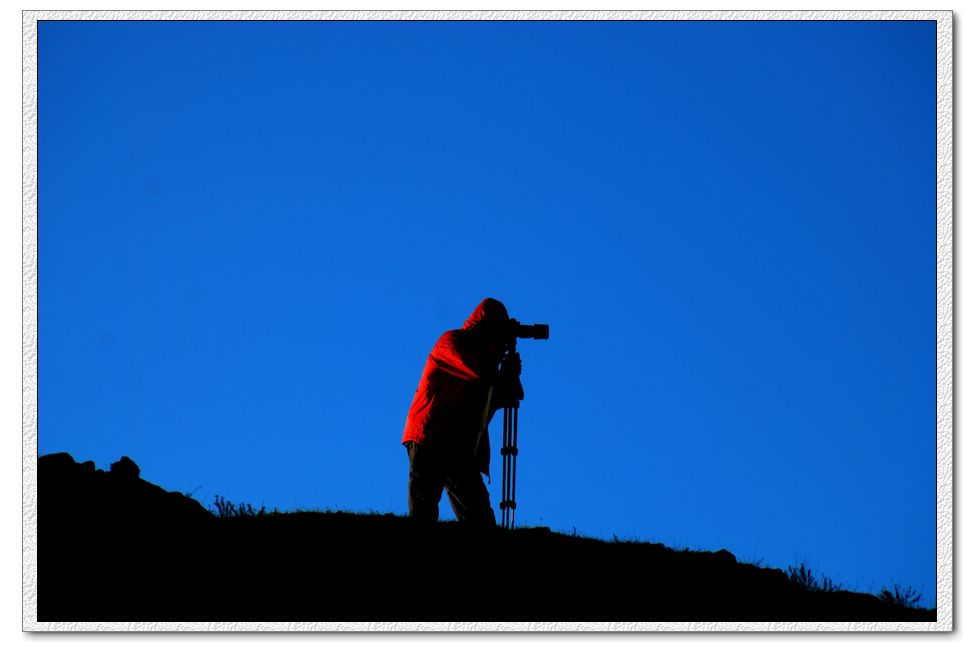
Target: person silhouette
<point>465,380</point>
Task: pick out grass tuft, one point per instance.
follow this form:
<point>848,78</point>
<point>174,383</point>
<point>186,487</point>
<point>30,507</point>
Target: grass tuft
<point>223,508</point>
<point>803,576</point>
<point>905,597</point>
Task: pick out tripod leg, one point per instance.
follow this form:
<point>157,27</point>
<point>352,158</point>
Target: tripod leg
<point>504,473</point>
<point>514,460</point>
<point>506,505</point>
<point>509,454</point>
<point>507,480</point>
<point>505,486</point>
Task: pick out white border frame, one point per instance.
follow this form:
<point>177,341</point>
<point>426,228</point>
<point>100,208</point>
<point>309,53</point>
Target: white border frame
<point>945,452</point>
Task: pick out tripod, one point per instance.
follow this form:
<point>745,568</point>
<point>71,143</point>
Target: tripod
<point>509,457</point>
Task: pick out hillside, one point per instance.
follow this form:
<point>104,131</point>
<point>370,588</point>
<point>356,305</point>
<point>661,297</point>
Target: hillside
<point>113,547</point>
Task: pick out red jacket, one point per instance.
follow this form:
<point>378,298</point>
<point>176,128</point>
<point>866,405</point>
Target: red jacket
<point>448,407</point>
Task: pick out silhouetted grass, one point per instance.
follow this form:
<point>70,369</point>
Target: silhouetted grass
<point>803,576</point>
<point>223,508</point>
<point>904,597</point>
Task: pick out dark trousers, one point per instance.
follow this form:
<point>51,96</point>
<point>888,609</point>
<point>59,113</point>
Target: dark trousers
<point>432,470</point>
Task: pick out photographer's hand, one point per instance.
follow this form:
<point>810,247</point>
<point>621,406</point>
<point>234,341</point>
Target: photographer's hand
<point>509,381</point>
<point>511,366</point>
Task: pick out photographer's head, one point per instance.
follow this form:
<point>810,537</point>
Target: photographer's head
<point>490,321</point>
<point>489,312</point>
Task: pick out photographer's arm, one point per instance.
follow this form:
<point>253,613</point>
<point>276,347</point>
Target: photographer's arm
<point>507,385</point>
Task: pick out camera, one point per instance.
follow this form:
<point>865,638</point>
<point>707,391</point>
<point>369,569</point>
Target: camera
<point>528,331</point>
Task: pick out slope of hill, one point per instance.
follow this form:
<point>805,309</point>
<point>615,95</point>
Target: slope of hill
<point>113,547</point>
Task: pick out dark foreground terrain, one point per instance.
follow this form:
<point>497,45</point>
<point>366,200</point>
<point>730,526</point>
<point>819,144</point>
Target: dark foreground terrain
<point>113,547</point>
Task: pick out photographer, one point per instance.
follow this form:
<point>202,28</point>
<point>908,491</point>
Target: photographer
<point>463,384</point>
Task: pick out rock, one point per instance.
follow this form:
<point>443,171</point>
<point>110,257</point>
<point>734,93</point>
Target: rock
<point>55,462</point>
<point>117,499</point>
<point>125,469</point>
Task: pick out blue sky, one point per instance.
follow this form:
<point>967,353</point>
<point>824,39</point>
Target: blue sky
<point>251,234</point>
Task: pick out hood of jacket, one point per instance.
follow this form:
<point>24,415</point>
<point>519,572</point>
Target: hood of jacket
<point>489,310</point>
